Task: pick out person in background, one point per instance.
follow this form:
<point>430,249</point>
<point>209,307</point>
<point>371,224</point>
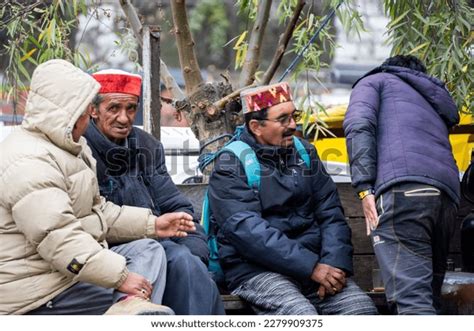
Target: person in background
<point>404,172</point>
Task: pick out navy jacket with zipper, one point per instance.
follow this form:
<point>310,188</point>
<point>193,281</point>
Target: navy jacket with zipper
<point>294,221</point>
<point>136,175</point>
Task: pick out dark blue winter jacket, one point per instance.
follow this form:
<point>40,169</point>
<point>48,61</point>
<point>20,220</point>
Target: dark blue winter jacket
<point>292,223</point>
<point>396,131</point>
<point>136,175</point>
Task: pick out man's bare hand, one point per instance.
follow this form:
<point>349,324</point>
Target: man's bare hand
<point>174,225</point>
<point>370,213</point>
<point>136,285</point>
<point>331,279</point>
<point>321,292</point>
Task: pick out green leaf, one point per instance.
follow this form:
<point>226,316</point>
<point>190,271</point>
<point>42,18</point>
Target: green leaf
<point>417,48</point>
<point>396,21</point>
<point>23,70</point>
<point>52,32</point>
<point>240,40</point>
<point>28,55</point>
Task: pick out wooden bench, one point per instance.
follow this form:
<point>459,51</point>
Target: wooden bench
<point>364,258</point>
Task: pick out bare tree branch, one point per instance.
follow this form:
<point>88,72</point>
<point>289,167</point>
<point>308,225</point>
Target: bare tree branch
<point>283,43</point>
<point>170,82</point>
<point>247,76</point>
<point>137,28</point>
<point>133,19</point>
<point>220,104</point>
<point>184,40</point>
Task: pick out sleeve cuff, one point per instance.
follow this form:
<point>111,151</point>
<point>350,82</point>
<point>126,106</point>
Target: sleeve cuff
<point>363,187</point>
<point>122,279</point>
<point>150,227</point>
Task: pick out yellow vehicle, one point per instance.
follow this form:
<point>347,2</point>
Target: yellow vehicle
<point>333,150</point>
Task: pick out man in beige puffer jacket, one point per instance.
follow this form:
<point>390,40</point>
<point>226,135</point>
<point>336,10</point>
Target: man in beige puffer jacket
<point>54,225</point>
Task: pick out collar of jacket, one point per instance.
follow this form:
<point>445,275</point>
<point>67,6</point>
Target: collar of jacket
<point>110,152</point>
<point>396,70</point>
<point>430,88</point>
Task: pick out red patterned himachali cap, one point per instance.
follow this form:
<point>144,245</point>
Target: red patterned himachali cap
<point>262,97</point>
<point>118,81</point>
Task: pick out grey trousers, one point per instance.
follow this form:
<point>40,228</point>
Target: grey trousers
<point>145,257</point>
<point>271,293</point>
<point>411,243</point>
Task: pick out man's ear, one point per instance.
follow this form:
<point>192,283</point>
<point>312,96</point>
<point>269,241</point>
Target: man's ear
<point>254,126</point>
<point>93,111</point>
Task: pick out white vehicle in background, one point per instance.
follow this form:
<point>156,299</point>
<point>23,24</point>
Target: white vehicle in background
<point>181,153</point>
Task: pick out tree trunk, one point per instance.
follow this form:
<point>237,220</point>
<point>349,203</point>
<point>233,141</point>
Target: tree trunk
<point>252,58</point>
<point>210,124</point>
<point>184,40</point>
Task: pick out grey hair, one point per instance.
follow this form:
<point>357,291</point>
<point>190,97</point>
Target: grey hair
<point>97,101</point>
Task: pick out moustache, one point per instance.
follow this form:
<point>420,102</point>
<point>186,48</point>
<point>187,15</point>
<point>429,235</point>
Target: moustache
<point>289,133</point>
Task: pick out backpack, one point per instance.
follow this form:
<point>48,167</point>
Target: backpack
<point>249,160</point>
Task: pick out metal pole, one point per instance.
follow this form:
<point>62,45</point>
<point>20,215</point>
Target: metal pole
<point>146,84</point>
<point>155,106</point>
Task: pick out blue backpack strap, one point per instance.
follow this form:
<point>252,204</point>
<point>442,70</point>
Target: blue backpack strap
<point>302,151</point>
<point>206,224</point>
<point>214,266</point>
<point>206,214</point>
<point>249,161</point>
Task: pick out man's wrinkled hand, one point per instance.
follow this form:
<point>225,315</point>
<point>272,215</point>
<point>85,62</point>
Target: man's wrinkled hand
<point>370,213</point>
<point>331,279</point>
<point>136,285</point>
<point>174,225</point>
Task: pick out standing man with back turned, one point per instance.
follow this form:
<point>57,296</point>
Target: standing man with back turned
<point>404,171</point>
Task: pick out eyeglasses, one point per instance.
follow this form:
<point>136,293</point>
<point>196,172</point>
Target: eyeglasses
<point>286,119</point>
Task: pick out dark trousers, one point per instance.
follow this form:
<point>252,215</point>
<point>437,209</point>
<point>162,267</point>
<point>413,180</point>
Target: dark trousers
<point>189,287</point>
<point>411,242</point>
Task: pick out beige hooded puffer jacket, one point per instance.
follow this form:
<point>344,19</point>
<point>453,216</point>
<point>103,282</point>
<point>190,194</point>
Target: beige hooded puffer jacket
<point>54,226</point>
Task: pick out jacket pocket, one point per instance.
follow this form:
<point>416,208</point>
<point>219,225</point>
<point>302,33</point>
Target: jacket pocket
<point>423,192</point>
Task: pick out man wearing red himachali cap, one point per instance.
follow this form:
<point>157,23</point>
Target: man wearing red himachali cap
<point>284,245</point>
<point>131,171</point>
